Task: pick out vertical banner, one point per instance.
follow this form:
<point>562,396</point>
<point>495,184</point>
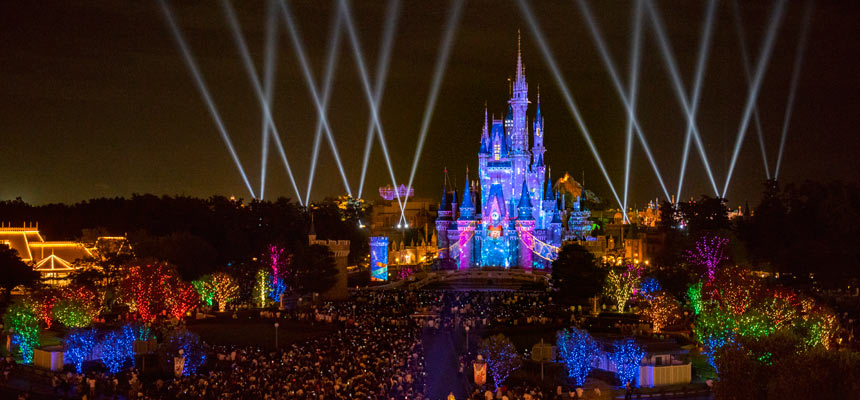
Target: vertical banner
<point>379,258</point>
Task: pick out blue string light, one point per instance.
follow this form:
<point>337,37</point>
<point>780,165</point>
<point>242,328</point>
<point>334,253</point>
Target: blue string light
<point>627,356</point>
<point>118,348</point>
<point>579,351</point>
<point>79,346</point>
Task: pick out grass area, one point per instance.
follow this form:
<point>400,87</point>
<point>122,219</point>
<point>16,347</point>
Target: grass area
<point>261,333</point>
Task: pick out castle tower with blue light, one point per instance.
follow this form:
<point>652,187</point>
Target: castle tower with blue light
<point>509,217</point>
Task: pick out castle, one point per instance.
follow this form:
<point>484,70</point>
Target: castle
<point>517,221</point>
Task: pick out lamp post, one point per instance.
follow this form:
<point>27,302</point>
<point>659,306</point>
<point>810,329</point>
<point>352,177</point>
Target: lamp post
<point>467,339</point>
<point>276,334</point>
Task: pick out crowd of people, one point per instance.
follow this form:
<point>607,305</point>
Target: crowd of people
<point>375,352</point>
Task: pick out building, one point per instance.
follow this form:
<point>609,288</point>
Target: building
<point>663,364</point>
<point>340,249</point>
<point>54,260</point>
<point>510,216</point>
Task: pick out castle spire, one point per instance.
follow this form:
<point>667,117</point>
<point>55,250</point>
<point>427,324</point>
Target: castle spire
<point>519,55</point>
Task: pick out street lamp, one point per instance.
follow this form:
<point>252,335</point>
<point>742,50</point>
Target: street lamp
<point>467,339</point>
<point>276,334</point>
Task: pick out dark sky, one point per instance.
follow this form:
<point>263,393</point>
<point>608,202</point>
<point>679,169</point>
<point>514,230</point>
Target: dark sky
<point>97,101</point>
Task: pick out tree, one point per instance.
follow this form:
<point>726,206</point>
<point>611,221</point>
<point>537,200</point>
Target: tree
<point>662,309</point>
<point>313,270</point>
<point>578,351</point>
<point>225,289</point>
<point>180,297</point>
<point>79,345</point>
<point>709,254</point>
<point>24,325</point>
<point>262,287</point>
<point>15,272</point>
<point>627,356</point>
<point>620,285</point>
<point>144,289</point>
<point>73,313</point>
<point>576,275</point>
<point>501,357</point>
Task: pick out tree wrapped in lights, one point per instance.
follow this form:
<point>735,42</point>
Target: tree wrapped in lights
<point>620,285</point>
<point>192,350</point>
<point>278,262</point>
<point>79,345</point>
<point>709,253</point>
<point>262,287</point>
<point>181,297</point>
<point>226,290</point>
<point>694,295</point>
<point>42,304</point>
<point>206,289</point>
<point>74,313</point>
<point>579,351</point>
<point>501,357</point>
<point>117,348</point>
<point>626,355</point>
<point>23,323</point>
<point>648,289</point>
<point>144,289</point>
<point>661,310</point>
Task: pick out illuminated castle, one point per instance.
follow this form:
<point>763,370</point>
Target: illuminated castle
<point>517,221</point>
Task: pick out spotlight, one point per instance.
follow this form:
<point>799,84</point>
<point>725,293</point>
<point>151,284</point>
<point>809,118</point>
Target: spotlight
<point>439,71</point>
<point>204,91</point>
<point>764,57</point>
<point>309,80</point>
<point>255,82</point>
<point>704,46</point>
<point>597,37</point>
<point>373,96</point>
<point>268,83</point>
<point>742,42</point>
<point>798,61</point>
<point>328,79</point>
<point>668,57</point>
<point>635,44</point>
<point>571,103</point>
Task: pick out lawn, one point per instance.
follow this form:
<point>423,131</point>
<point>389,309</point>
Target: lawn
<point>256,332</point>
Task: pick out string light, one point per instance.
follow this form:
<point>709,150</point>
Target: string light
<point>181,297</point>
<point>205,289</point>
<point>226,290</point>
<point>79,346</point>
<point>661,311</point>
<point>24,325</point>
<point>118,348</point>
<point>627,356</point>
<point>579,352</point>
<point>708,253</point>
<point>501,357</point>
<point>262,286</point>
<point>73,313</point>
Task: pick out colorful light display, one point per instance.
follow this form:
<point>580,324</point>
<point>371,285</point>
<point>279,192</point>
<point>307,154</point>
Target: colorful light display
<point>118,348</point>
<point>694,294</point>
<point>262,286</point>
<point>579,352</point>
<point>626,355</point>
<point>226,290</point>
<point>74,313</point>
<point>79,345</point>
<point>620,285</point>
<point>661,311</point>
<point>143,289</point>
<point>181,297</point>
<point>278,263</point>
<point>23,323</point>
<point>379,258</point>
<point>205,288</point>
<point>501,357</point>
<point>192,350</point>
<point>709,253</point>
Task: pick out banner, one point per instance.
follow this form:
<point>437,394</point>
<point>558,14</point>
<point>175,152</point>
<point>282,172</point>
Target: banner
<point>480,368</point>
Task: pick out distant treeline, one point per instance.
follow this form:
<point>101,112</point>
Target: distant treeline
<point>198,235</point>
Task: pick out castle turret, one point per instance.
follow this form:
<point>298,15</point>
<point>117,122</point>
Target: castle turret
<point>524,208</point>
<point>443,221</point>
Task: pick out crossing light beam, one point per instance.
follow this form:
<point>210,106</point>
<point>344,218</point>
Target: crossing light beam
<point>569,100</point>
<point>204,91</point>
<point>248,63</point>
<point>795,74</point>
<point>764,57</point>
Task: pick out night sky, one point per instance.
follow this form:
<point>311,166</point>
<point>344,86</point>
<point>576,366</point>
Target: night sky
<point>97,101</point>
